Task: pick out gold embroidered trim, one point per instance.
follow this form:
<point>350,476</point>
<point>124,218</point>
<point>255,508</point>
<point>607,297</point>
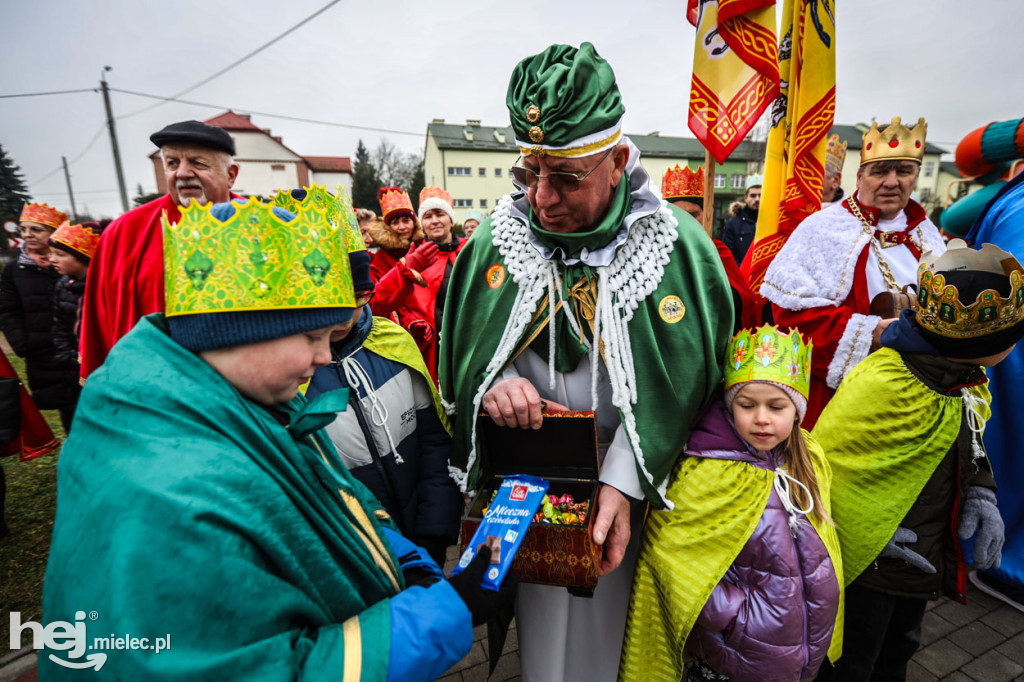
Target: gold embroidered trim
<point>353,637</point>
<point>574,151</point>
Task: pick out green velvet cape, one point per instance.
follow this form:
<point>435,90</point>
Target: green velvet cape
<point>663,367</point>
<point>184,509</point>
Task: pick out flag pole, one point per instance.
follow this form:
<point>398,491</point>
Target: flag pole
<point>709,192</point>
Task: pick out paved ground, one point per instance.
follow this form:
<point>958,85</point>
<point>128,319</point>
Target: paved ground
<point>980,642</point>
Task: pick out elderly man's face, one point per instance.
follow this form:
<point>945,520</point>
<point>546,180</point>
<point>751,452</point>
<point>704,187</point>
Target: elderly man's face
<point>886,185</point>
<point>198,173</point>
<point>830,185</point>
<point>581,209</point>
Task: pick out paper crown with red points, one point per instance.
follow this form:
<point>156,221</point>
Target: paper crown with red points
<point>433,192</point>
<point>896,143</point>
<point>44,214</point>
<point>682,183</point>
<point>835,154</point>
<point>394,203</point>
<point>81,239</point>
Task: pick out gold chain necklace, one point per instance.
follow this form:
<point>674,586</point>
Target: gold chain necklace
<point>883,266</point>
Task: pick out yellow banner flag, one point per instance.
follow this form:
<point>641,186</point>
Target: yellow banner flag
<point>735,70</point>
<point>800,120</point>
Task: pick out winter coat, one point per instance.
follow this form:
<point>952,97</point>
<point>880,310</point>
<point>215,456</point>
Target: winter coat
<point>738,233</point>
<point>391,437</point>
<point>26,319</point>
<point>776,606</point>
<point>67,316</point>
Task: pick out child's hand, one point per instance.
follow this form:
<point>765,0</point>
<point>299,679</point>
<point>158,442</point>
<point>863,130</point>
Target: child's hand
<point>893,550</point>
<point>980,515</point>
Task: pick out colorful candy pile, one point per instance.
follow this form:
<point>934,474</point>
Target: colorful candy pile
<point>557,510</point>
<point>562,510</point>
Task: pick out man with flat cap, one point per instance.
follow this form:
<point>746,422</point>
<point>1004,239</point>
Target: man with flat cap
<point>126,277</point>
<point>584,291</point>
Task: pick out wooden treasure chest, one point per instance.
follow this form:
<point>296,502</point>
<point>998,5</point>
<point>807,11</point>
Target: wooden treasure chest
<point>564,451</point>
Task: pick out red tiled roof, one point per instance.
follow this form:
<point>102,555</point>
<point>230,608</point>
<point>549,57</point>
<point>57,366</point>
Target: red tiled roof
<point>229,120</point>
<point>329,164</point>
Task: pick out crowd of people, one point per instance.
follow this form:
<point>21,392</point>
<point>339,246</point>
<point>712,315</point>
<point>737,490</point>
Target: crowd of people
<point>277,433</point>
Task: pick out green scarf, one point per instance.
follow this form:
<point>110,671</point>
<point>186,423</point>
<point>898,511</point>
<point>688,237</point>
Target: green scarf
<point>185,508</point>
<point>675,360</point>
<point>685,553</point>
<point>884,433</point>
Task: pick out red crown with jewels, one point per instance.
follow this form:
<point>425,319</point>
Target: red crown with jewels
<point>681,182</point>
<point>433,192</point>
<point>394,203</point>
<point>44,214</point>
<point>80,238</point>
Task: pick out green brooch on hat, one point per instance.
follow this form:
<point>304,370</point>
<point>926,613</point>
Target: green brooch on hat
<point>337,208</point>
<point>565,102</point>
<point>766,354</point>
<point>255,260</point>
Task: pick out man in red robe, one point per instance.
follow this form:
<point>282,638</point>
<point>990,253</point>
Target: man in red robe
<point>836,275</point>
<point>126,276</point>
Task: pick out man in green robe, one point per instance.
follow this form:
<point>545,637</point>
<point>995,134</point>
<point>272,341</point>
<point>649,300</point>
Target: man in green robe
<point>583,291</point>
<point>202,508</point>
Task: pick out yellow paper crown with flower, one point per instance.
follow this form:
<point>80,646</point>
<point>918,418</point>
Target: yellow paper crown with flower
<point>337,208</point>
<point>77,237</point>
<point>940,309</point>
<point>44,214</point>
<point>835,154</point>
<point>896,143</point>
<point>254,260</point>
<point>766,354</point>
<point>681,182</point>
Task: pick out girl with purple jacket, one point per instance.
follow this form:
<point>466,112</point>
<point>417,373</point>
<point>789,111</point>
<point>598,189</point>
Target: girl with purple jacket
<point>743,574</point>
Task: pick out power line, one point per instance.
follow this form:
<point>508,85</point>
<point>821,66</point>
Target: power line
<point>44,94</point>
<point>77,157</point>
<point>269,115</point>
<point>238,61</point>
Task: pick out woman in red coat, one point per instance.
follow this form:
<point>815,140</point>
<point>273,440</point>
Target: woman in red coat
<point>401,252</point>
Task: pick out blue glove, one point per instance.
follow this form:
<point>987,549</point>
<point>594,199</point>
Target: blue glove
<point>418,568</point>
<point>980,515</point>
<point>893,550</point>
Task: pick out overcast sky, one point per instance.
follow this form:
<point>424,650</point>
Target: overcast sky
<point>399,64</point>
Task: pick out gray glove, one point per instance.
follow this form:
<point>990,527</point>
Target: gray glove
<point>898,551</point>
<point>980,515</point>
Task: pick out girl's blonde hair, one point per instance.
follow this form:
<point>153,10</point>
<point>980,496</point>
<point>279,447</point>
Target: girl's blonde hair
<point>798,460</point>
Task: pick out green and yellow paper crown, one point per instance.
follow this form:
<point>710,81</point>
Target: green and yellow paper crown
<point>336,207</point>
<point>940,309</point>
<point>255,261</point>
<point>766,354</point>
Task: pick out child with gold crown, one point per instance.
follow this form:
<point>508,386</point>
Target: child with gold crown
<point>744,575</point>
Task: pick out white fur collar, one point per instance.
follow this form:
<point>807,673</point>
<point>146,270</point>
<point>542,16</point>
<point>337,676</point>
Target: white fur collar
<point>816,265</point>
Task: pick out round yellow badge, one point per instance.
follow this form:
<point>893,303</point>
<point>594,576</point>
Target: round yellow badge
<point>671,309</point>
<point>495,276</point>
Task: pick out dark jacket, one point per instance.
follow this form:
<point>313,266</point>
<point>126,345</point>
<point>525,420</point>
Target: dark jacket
<point>936,512</point>
<point>391,438</point>
<point>738,233</point>
<point>67,316</point>
<point>26,319</point>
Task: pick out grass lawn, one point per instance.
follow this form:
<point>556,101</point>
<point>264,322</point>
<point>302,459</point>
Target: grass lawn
<point>29,511</point>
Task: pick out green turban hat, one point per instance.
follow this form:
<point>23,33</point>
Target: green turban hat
<point>565,102</point>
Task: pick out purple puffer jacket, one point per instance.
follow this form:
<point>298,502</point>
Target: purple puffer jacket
<point>771,617</point>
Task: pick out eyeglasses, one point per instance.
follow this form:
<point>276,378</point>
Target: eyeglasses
<point>363,297</point>
<point>560,181</point>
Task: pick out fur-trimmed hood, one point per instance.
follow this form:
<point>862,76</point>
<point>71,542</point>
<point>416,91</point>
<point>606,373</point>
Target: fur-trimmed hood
<point>386,238</point>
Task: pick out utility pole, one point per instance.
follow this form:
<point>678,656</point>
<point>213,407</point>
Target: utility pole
<point>113,138</point>
<point>67,179</point>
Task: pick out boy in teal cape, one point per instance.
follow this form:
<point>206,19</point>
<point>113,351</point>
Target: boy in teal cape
<point>200,502</point>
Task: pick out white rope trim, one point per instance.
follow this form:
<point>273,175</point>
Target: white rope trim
<point>975,422</point>
<point>356,376</point>
<point>783,486</point>
<point>634,273</point>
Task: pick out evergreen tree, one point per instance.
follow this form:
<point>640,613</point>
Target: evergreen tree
<point>365,181</point>
<point>13,191</point>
